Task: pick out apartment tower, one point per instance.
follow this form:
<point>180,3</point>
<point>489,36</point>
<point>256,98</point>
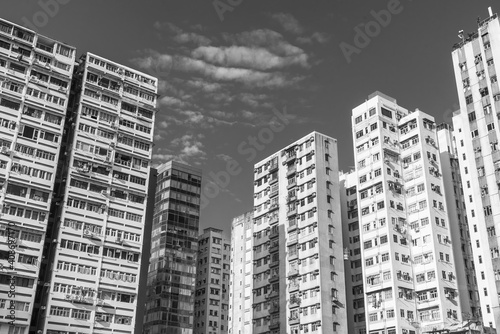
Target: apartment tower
<point>476,60</point>
<point>211,305</point>
<point>174,251</point>
<point>96,230</point>
<point>410,280</point>
<point>355,297</point>
<point>35,80</point>
<point>460,234</point>
<point>241,275</point>
<point>298,275</point>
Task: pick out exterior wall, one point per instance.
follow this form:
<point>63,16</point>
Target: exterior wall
<point>241,275</point>
<point>97,233</point>
<point>457,215</point>
<point>408,263</point>
<point>35,77</point>
<point>297,219</point>
<point>475,63</point>
<point>352,254</point>
<point>174,251</point>
<point>212,280</point>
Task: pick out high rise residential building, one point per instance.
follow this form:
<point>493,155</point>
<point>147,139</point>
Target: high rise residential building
<point>174,248</point>
<point>476,130</point>
<point>355,297</point>
<point>241,275</point>
<point>460,235</point>
<point>98,215</point>
<point>35,77</point>
<point>211,305</point>
<point>298,275</point>
<point>410,279</point>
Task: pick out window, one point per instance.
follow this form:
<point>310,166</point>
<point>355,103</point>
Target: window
<point>472,116</point>
<point>386,113</point>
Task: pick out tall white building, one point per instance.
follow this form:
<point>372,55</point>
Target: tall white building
<point>96,231</point>
<point>241,275</point>
<point>355,297</point>
<point>298,275</point>
<point>476,60</point>
<point>35,77</point>
<point>410,280</point>
<point>460,234</point>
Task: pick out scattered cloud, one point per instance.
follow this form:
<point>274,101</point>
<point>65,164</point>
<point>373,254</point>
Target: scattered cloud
<point>224,157</point>
<point>180,36</point>
<point>228,80</point>
<point>318,37</point>
<point>288,22</point>
<point>256,58</point>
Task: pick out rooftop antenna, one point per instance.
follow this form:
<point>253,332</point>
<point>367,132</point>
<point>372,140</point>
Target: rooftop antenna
<point>490,11</point>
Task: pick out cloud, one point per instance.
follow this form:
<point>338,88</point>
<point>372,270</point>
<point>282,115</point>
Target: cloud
<point>269,39</point>
<point>153,60</point>
<point>187,148</point>
<point>170,101</point>
<point>319,37</point>
<point>253,100</point>
<point>256,58</point>
<point>207,87</point>
<point>180,36</point>
<point>225,157</point>
<point>288,22</point>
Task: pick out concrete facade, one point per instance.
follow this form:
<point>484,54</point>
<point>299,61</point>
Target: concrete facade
<point>35,80</point>
<point>298,275</point>
<point>241,275</point>
<point>476,130</point>
<point>212,283</point>
<point>410,280</point>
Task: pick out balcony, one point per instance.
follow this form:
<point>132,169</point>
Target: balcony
<point>274,278</point>
<point>291,170</point>
<point>274,248</point>
<point>294,302</point>
<point>291,183</point>
<point>292,198</point>
<point>273,220</point>
<point>291,156</point>
<point>272,294</point>
<point>273,207</point>
<point>274,325</point>
<point>274,233</point>
<point>292,225</point>
<point>292,212</point>
<point>274,264</point>
<point>273,180</point>
<point>273,167</point>
<point>293,287</point>
<point>274,192</point>
<point>274,309</point>
<point>294,320</point>
<point>293,272</point>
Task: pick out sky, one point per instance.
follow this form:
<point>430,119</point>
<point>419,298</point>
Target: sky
<point>229,69</point>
